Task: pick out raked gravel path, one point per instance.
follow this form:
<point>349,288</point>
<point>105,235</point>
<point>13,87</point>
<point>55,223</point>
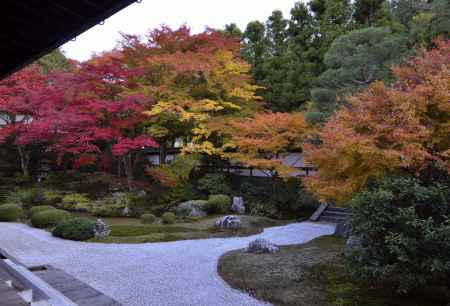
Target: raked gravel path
<point>181,273</point>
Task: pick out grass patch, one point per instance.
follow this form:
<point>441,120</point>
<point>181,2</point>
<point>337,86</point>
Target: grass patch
<point>141,230</point>
<point>313,274</point>
<point>130,230</point>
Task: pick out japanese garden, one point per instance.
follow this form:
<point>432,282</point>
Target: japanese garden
<point>302,160</point>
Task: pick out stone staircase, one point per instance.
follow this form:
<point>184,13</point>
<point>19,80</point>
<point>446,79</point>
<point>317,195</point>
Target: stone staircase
<point>335,215</point>
<point>326,213</point>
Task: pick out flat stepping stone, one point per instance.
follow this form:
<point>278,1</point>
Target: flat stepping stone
<point>77,291</point>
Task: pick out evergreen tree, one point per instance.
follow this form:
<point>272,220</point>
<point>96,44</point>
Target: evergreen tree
<point>54,60</point>
<point>354,61</point>
<point>255,48</point>
<point>367,11</point>
<point>232,29</point>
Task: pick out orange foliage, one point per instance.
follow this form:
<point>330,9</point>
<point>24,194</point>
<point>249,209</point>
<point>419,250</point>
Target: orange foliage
<point>385,129</point>
<point>260,141</point>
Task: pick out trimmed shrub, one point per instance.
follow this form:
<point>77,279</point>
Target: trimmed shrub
<point>49,218</point>
<point>214,184</point>
<point>107,211</point>
<point>218,204</point>
<point>168,218</point>
<point>75,202</point>
<point>75,229</point>
<point>10,212</point>
<point>264,209</point>
<point>23,197</point>
<point>37,209</point>
<point>52,197</point>
<point>404,229</point>
<point>148,219</point>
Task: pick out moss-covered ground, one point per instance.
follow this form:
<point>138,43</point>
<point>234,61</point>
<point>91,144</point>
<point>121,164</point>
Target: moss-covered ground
<point>313,274</point>
<point>130,230</point>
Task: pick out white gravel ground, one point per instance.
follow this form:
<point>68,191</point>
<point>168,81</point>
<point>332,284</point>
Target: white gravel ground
<point>181,273</point>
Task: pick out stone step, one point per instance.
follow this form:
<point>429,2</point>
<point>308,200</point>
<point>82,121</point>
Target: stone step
<point>335,213</point>
<point>340,209</point>
<point>332,219</point>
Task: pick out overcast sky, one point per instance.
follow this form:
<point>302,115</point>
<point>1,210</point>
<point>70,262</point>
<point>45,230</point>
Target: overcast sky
<point>138,18</point>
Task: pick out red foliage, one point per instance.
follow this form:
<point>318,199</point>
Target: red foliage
<point>84,160</point>
<point>125,145</point>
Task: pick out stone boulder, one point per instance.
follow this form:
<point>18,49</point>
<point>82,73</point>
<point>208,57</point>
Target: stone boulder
<point>191,209</point>
<point>228,222</point>
<point>262,246</point>
<point>353,242</point>
<point>343,230</point>
<point>101,229</point>
<point>125,212</point>
<point>238,206</point>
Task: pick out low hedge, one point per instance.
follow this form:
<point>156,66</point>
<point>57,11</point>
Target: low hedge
<point>218,204</point>
<point>49,218</point>
<point>148,219</point>
<point>104,211</point>
<point>37,209</point>
<point>75,229</point>
<point>168,218</point>
<point>10,212</point>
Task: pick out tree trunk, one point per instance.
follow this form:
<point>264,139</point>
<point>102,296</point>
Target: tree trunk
<point>24,160</point>
<point>128,165</point>
<point>162,153</point>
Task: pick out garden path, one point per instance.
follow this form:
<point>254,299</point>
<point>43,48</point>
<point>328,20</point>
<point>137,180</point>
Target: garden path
<point>181,273</point>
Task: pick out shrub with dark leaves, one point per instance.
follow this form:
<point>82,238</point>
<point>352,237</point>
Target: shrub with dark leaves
<point>75,229</point>
<point>405,234</point>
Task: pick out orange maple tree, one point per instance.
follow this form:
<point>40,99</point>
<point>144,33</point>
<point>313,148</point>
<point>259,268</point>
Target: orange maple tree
<point>261,141</point>
<point>387,129</point>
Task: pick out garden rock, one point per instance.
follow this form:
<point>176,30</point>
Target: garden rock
<point>141,194</point>
<point>101,229</point>
<point>125,212</point>
<point>343,230</point>
<point>238,205</point>
<point>262,246</point>
<point>353,243</point>
<point>191,209</point>
<point>229,222</point>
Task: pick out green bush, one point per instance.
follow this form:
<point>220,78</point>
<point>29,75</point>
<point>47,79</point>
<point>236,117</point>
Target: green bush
<point>75,229</point>
<point>168,218</point>
<point>148,219</point>
<point>37,209</point>
<point>214,184</point>
<point>52,197</point>
<point>113,206</point>
<point>184,209</point>
<point>264,209</point>
<point>49,218</point>
<point>218,204</point>
<point>404,228</point>
<point>23,197</point>
<point>275,197</point>
<point>75,202</point>
<point>10,212</point>
<point>105,211</point>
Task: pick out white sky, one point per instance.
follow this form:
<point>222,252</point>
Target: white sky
<point>138,18</point>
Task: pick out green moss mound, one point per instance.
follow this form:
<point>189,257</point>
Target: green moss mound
<point>49,218</point>
<point>38,209</point>
<point>148,219</point>
<point>10,212</point>
<point>218,204</point>
<point>168,218</point>
<point>75,229</point>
